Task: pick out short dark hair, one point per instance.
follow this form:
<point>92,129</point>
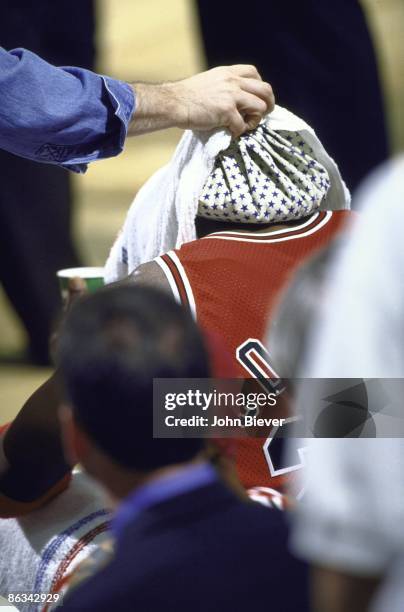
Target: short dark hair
<point>113,343</point>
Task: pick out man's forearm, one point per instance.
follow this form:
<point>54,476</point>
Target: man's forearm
<point>33,448</point>
<point>71,116</point>
<point>156,108</point>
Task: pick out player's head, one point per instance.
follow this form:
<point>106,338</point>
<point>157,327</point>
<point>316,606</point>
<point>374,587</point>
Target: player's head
<point>264,176</point>
<point>113,343</point>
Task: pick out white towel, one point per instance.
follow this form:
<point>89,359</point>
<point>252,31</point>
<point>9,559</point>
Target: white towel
<point>162,215</point>
<point>51,542</point>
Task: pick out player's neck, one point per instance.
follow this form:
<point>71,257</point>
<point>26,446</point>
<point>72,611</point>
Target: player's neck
<point>204,227</point>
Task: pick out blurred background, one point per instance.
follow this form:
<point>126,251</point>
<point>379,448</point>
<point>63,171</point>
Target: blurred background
<point>157,40</point>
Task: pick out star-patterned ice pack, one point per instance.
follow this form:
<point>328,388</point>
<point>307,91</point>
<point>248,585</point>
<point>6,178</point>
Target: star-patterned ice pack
<point>265,176</point>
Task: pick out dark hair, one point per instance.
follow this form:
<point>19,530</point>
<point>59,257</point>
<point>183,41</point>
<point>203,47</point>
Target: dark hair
<point>113,343</point>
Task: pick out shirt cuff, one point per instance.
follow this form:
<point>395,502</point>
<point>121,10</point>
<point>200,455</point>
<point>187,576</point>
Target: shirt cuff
<point>122,99</point>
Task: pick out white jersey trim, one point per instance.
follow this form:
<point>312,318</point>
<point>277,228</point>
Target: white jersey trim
<point>309,220</point>
<point>190,294</point>
<point>170,278</point>
<point>277,235</point>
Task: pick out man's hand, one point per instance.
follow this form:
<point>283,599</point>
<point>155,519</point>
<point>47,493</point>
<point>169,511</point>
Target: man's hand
<point>232,97</point>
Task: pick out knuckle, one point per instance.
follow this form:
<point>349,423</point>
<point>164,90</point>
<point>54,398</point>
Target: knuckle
<point>228,108</point>
<point>217,71</point>
<point>233,79</point>
<point>226,71</point>
<point>266,90</point>
<point>234,119</point>
<point>228,102</point>
<point>254,72</point>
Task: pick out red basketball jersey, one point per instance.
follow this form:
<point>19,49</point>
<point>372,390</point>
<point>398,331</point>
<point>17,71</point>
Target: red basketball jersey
<point>232,282</point>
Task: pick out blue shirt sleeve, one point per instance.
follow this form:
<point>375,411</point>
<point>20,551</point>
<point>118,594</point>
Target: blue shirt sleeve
<point>66,116</point>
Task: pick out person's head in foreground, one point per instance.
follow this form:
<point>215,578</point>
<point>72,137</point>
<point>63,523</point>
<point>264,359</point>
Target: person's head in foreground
<point>114,342</point>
